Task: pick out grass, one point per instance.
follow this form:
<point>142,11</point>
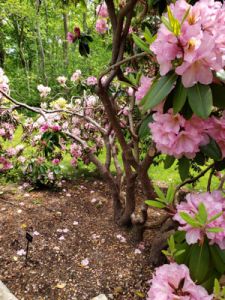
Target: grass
<point>157,173</point>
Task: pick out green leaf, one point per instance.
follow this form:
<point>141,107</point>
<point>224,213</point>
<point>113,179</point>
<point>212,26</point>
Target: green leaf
<point>187,218</point>
<point>183,167</point>
<point>170,194</point>
<point>179,96</point>
<point>155,203</point>
<point>215,217</point>
<point>202,215</point>
<point>198,263</point>
<point>200,100</point>
<point>185,16</point>
<point>148,36</point>
<point>158,91</point>
<point>166,23</point>
<point>217,260</point>
<point>212,150</point>
<point>144,129</point>
<point>216,290</point>
<point>215,229</point>
<point>141,44</point>
<point>168,162</point>
<point>171,243</point>
<point>159,193</point>
<point>179,252</point>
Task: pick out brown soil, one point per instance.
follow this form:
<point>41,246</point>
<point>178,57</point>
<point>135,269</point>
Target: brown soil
<point>53,269</point>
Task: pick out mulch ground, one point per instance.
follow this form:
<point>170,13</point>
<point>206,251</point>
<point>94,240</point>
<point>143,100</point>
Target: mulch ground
<point>72,227</point>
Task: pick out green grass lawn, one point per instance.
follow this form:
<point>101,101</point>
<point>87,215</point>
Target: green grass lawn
<point>157,173</point>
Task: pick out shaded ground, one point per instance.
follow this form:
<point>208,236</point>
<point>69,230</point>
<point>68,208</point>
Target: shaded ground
<point>72,227</point>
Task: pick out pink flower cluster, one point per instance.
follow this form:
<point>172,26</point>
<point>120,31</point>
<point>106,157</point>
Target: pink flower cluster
<point>76,152</point>
<point>173,281</point>
<point>72,37</point>
<point>214,204</point>
<point>102,10</point>
<point>91,80</point>
<point>145,84</point>
<point>62,80</point>
<point>6,131</point>
<point>199,48</point>
<point>216,129</point>
<point>43,90</point>
<point>45,127</point>
<point>4,82</point>
<point>101,23</point>
<point>76,76</point>
<point>176,136</point>
<point>5,164</point>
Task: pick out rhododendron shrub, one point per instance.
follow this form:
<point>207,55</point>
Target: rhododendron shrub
<point>188,129</point>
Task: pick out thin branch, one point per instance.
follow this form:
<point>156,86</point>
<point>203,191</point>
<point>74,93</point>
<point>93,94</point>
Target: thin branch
<point>192,180</point>
<point>119,63</point>
<point>210,179</point>
<point>24,105</point>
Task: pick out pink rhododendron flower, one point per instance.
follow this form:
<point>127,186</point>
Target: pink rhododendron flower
<point>43,90</point>
<point>198,49</point>
<point>173,282</point>
<point>216,129</point>
<point>44,127</point>
<point>91,80</point>
<point>214,204</point>
<point>76,76</point>
<point>145,84</point>
<point>129,70</point>
<point>56,128</point>
<point>7,131</point>
<point>62,80</point>
<point>101,26</point>
<point>5,164</point>
<point>76,152</point>
<point>56,161</point>
<point>102,10</point>
<point>176,136</point>
<point>130,91</point>
<point>72,37</point>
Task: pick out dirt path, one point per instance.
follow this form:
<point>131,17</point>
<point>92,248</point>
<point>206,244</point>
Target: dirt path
<point>73,227</point>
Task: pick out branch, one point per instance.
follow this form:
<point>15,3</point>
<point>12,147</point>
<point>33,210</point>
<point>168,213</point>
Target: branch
<point>44,111</point>
<point>119,63</point>
<point>192,180</point>
<point>31,108</point>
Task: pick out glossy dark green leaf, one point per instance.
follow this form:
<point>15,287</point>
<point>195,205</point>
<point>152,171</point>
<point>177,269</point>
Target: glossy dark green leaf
<point>158,91</point>
<point>179,96</point>
<point>200,100</point>
<point>141,44</point>
<point>212,150</point>
<point>144,129</point>
<point>155,203</point>
<point>199,262</point>
<point>168,162</point>
<point>183,167</point>
<point>217,260</point>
